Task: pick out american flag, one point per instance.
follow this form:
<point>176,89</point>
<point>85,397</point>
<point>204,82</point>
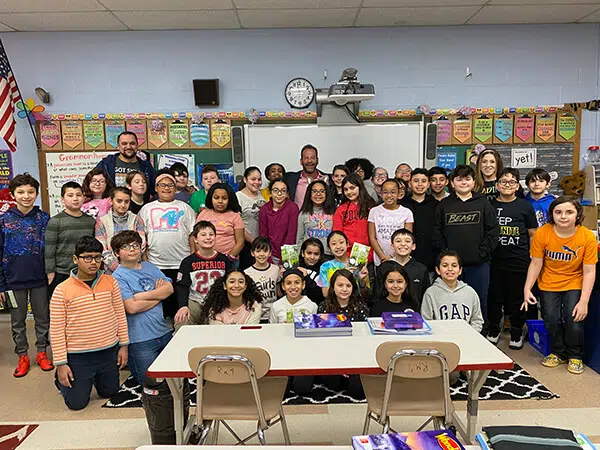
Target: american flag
<point>9,96</point>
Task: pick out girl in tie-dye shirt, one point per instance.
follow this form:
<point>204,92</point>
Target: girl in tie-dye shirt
<point>338,244</point>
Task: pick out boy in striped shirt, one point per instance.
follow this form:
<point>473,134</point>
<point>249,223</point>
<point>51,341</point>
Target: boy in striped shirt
<point>91,346</point>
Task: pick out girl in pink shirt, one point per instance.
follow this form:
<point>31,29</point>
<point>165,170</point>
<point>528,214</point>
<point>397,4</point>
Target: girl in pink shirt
<point>96,189</point>
<point>223,211</point>
<point>232,300</point>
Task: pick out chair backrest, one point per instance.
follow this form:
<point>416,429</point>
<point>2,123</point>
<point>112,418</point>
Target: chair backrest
<point>418,359</point>
<point>229,365</point>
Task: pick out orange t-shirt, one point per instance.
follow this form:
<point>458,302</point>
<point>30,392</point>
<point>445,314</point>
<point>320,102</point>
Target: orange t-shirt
<point>563,257</point>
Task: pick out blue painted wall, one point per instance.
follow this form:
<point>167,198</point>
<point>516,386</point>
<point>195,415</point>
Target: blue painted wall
<point>152,71</point>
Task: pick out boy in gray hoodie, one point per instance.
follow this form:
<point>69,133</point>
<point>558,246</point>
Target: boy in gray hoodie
<point>449,298</point>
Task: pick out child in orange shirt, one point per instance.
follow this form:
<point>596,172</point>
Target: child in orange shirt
<point>563,260</point>
<point>88,329</point>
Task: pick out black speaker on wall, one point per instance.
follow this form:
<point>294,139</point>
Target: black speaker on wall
<point>206,92</point>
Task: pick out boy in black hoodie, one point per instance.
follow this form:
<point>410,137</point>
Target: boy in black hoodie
<point>466,222</point>
<point>423,207</point>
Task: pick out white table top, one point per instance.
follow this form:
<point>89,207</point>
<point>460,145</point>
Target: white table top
<point>291,356</point>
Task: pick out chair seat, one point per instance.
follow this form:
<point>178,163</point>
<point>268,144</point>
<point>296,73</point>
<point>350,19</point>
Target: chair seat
<point>408,397</point>
<point>236,401</point>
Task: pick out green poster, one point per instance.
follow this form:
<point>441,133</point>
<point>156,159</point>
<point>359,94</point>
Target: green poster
<point>482,128</point>
<point>93,133</point>
<point>178,133</point>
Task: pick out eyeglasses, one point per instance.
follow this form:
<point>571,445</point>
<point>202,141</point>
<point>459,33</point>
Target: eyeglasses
<point>511,183</point>
<point>166,186</point>
<point>279,191</point>
<point>98,182</point>
<point>381,175</point>
<point>131,247</point>
<point>360,170</point>
<point>318,191</point>
<point>89,259</point>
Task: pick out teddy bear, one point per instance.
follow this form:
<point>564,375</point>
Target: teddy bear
<point>573,184</point>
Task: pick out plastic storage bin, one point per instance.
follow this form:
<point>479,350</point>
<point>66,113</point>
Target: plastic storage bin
<point>538,336</point>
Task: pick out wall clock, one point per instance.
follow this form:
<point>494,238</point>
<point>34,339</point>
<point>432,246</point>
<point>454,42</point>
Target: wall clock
<point>299,93</point>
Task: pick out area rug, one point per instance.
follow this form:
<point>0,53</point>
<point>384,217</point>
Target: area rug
<point>11,436</point>
<point>513,384</point>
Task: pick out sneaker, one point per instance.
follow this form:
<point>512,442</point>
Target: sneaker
<point>575,366</point>
<point>553,360</point>
<point>493,336</point>
<point>516,339</point>
<point>43,361</point>
<point>22,367</point>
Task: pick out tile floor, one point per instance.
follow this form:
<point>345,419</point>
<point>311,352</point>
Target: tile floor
<point>34,399</point>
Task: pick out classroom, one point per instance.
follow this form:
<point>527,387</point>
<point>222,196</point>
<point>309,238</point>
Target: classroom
<point>392,205</point>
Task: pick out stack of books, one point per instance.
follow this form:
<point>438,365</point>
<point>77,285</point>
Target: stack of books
<point>406,324</point>
<point>422,440</point>
<point>320,325</point>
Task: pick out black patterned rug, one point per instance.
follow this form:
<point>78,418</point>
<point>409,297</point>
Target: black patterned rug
<point>513,384</point>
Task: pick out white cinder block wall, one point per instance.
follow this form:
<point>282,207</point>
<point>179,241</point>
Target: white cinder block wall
<point>152,71</point>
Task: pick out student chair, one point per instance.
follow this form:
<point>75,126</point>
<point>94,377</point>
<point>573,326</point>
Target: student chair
<point>416,383</point>
<point>232,386</point>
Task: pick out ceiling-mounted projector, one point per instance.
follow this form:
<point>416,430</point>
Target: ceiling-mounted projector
<point>349,89</point>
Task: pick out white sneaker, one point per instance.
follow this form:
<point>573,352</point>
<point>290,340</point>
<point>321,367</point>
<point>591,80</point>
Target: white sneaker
<point>516,340</point>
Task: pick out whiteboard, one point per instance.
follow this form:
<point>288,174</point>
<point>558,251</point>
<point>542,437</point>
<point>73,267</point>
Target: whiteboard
<point>385,145</point>
<point>67,166</point>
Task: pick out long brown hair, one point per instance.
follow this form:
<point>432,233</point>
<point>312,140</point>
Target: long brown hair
<point>85,186</point>
<point>365,201</point>
<point>331,305</point>
<point>479,181</point>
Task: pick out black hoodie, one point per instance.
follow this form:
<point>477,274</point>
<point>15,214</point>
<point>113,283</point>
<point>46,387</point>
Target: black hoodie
<point>470,227</point>
<point>424,216</point>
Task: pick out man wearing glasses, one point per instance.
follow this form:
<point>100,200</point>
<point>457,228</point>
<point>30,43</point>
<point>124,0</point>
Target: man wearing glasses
<point>118,165</point>
<point>169,224</point>
<point>299,181</point>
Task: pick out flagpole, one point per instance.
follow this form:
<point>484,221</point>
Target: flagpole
<point>27,112</point>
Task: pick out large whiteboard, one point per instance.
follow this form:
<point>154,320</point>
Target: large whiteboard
<point>67,166</point>
<point>385,145</point>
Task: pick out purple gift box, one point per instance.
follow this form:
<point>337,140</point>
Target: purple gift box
<point>402,320</point>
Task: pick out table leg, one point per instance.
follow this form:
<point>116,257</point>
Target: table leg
<point>176,387</point>
<point>476,381</point>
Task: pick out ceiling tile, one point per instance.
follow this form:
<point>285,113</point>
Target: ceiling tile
<point>382,17</point>
<point>532,14</point>
<point>25,6</point>
<point>594,17</point>
<point>419,3</point>
<point>65,21</point>
<point>295,4</point>
<point>573,3</point>
<point>170,5</point>
<point>297,18</point>
<point>178,20</point>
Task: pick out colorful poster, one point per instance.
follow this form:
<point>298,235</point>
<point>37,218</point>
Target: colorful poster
<point>157,138</point>
<point>200,134</point>
<point>544,128</point>
<point>524,128</point>
<point>6,168</point>
<point>567,127</point>
<point>444,132</point>
<point>225,174</point>
<point>462,130</point>
<point>503,129</point>
<point>482,128</point>
<point>49,133</point>
<point>139,129</point>
<point>113,130</point>
<point>72,134</point>
<point>447,159</point>
<point>93,133</point>
<point>68,166</point>
<point>221,133</point>
<point>164,161</point>
<point>178,133</point>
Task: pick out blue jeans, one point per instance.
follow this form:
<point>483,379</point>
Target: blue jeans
<point>566,336</point>
<point>143,354</point>
<point>478,277</point>
<point>97,369</point>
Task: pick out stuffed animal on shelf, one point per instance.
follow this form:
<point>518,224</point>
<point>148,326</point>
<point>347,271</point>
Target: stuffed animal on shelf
<point>573,184</point>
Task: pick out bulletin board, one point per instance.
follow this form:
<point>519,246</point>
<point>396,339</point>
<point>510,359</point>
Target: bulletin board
<point>71,148</point>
